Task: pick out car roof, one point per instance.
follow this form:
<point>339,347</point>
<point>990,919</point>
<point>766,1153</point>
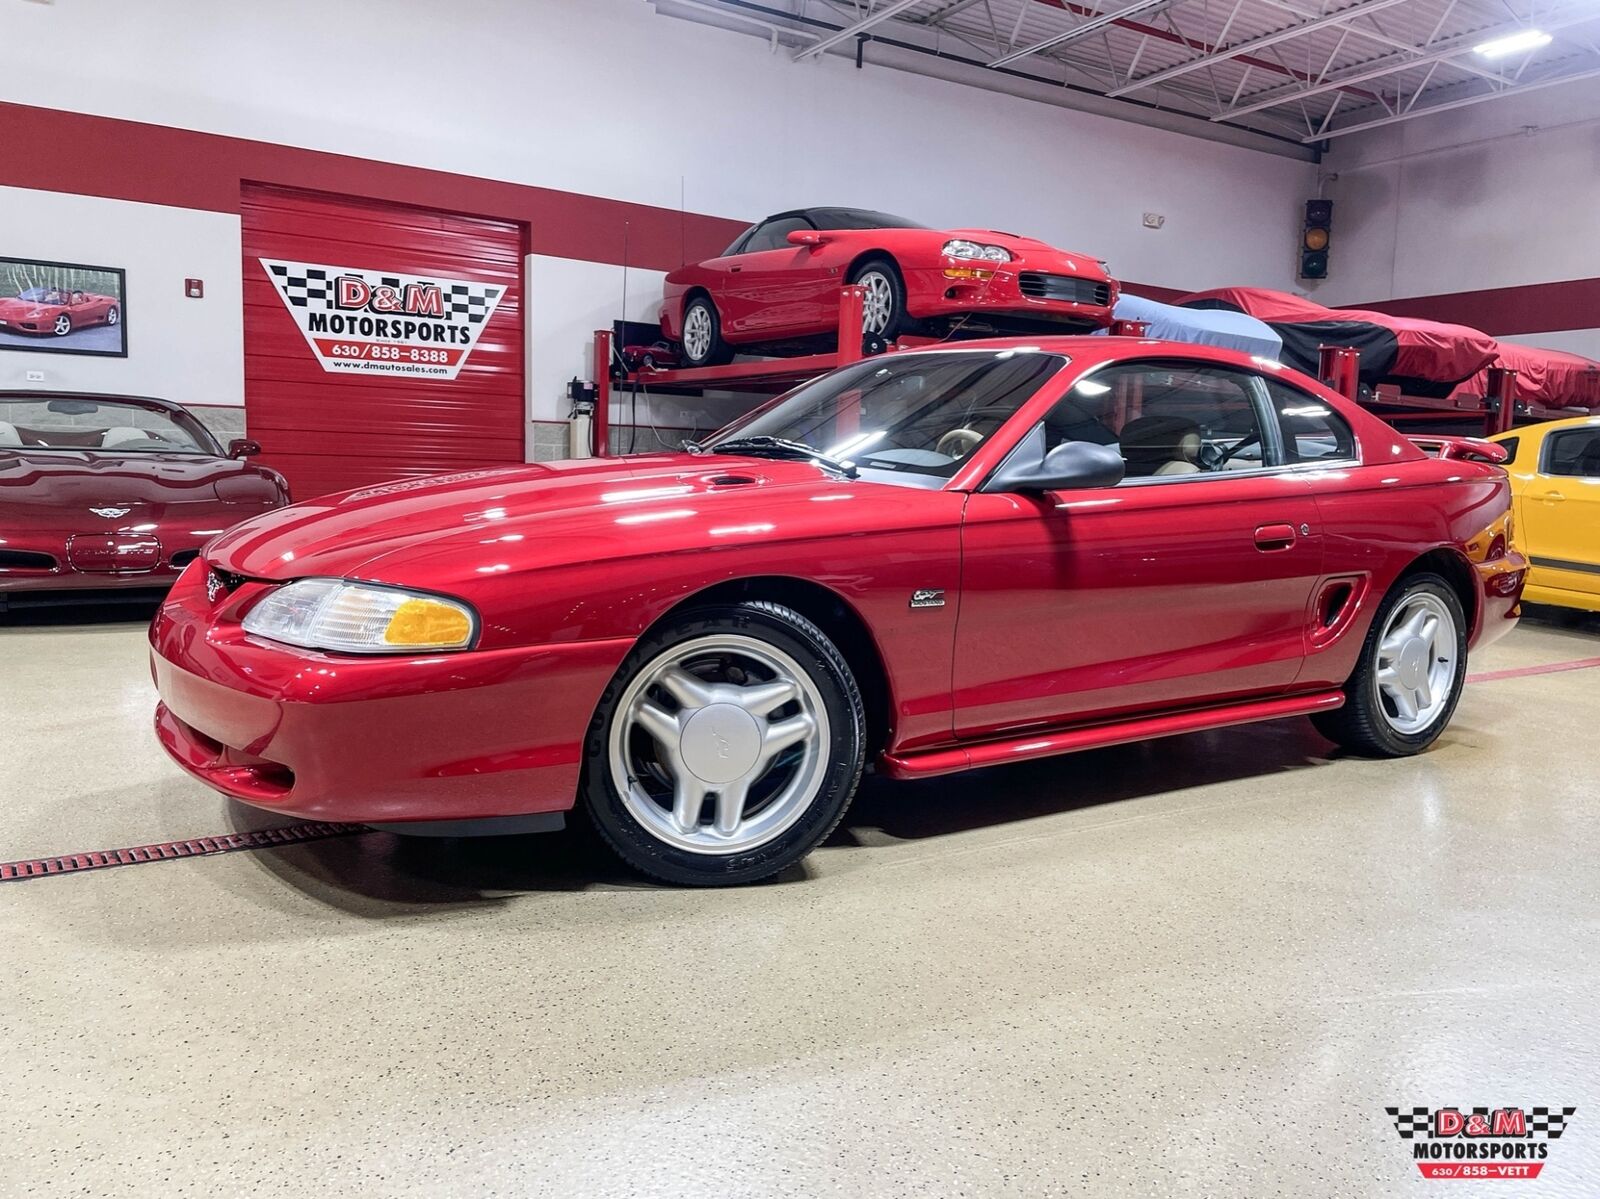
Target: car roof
<point>1540,428</point>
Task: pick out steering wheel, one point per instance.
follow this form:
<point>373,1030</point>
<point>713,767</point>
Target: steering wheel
<point>958,443</point>
<point>1213,459</point>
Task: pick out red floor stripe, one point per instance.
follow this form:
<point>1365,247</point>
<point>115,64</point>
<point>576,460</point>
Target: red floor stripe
<point>199,847</point>
<point>1494,676</point>
<point>195,847</point>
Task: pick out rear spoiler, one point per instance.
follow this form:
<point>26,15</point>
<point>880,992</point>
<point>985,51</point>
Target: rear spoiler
<point>1466,449</point>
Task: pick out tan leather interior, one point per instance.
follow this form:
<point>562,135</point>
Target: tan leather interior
<point>1161,446</point>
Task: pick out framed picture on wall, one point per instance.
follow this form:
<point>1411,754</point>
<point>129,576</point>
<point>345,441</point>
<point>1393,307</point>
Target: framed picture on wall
<point>63,308</point>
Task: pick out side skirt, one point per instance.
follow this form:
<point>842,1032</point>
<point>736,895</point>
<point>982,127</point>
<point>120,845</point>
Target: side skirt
<point>949,759</point>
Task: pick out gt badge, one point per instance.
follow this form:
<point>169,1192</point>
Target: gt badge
<point>928,597</point>
<point>111,513</point>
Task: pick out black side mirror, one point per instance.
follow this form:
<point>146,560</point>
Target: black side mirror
<point>243,447</point>
<point>1070,466</point>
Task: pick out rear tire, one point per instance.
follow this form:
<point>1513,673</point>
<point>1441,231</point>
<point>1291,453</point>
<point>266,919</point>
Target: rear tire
<point>1408,680</point>
<point>701,335</point>
<point>727,747</point>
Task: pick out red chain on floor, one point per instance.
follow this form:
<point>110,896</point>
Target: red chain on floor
<point>198,847</point>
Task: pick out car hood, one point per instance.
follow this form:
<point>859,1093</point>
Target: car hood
<point>1085,264</point>
<point>11,306</point>
<point>432,532</point>
<point>68,478</point>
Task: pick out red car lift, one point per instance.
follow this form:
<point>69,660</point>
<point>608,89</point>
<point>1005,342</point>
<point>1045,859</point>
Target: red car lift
<point>760,375</point>
<point>1338,369</point>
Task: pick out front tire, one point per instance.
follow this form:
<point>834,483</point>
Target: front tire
<point>883,312</point>
<point>63,325</point>
<point>1408,680</point>
<point>728,745</point>
<point>701,335</point>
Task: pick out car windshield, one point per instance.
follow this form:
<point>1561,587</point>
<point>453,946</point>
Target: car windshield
<point>859,218</point>
<point>36,294</point>
<point>909,418</point>
<point>97,426</point>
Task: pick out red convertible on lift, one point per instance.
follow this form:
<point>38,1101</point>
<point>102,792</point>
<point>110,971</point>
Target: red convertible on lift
<point>777,286</point>
<point>56,311</point>
<point>105,496</point>
<point>928,561</point>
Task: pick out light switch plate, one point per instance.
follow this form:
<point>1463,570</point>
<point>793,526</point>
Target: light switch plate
<point>35,376</point>
<point>1154,220</point>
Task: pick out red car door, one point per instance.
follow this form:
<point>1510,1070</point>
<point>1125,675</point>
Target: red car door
<point>1191,582</point>
<point>775,289</point>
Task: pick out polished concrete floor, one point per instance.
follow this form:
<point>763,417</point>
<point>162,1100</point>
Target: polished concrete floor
<point>1195,967</point>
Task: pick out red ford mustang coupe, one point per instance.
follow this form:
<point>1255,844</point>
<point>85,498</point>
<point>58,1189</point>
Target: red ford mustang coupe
<point>927,561</point>
<point>777,285</point>
<point>56,311</point>
<point>113,493</point>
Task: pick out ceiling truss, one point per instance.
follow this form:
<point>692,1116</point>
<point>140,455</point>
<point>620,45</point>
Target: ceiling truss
<point>1300,70</point>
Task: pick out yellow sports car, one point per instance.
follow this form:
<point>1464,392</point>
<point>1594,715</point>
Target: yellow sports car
<point>1555,482</point>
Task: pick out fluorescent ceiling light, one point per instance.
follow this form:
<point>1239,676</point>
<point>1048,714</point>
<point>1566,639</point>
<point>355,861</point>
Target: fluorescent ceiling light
<point>1526,39</point>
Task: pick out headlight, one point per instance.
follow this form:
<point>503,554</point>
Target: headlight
<point>961,248</point>
<point>360,618</point>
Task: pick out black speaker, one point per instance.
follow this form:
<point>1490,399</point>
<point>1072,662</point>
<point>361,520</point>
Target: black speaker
<point>1314,239</point>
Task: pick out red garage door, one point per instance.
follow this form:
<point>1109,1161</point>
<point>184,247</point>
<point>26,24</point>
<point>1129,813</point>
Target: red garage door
<point>381,342</point>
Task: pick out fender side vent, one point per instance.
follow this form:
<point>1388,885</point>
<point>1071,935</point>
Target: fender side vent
<point>732,480</point>
<point>1335,599</point>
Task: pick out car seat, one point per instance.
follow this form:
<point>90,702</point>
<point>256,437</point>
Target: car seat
<point>122,435</point>
<point>1161,445</point>
<point>9,434</point>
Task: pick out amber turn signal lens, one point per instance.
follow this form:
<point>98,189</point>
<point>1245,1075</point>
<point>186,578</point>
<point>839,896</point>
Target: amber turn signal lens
<point>428,623</point>
<point>1316,239</point>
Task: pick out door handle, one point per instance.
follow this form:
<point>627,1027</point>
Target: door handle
<point>1274,537</point>
<point>1554,497</point>
<point>734,270</point>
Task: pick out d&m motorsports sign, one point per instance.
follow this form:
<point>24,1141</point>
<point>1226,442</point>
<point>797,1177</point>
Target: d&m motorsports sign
<point>378,323</point>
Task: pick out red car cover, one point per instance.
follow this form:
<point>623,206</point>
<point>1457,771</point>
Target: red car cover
<point>1551,378</point>
<point>1422,357</point>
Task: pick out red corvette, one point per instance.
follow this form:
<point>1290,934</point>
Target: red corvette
<point>56,311</point>
<point>113,493</point>
<point>777,286</point>
<point>927,561</point>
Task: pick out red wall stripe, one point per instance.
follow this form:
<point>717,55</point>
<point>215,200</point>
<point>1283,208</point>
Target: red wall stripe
<point>50,150</point>
<point>1507,311</point>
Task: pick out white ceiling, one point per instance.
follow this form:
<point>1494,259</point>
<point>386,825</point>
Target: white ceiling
<point>1298,70</point>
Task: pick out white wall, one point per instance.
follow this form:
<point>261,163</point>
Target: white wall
<point>179,349</point>
<point>607,97</point>
<point>1492,195</point>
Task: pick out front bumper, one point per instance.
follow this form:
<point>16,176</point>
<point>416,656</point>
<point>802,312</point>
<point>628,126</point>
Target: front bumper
<point>461,736</point>
<point>49,549</point>
<point>1022,294</point>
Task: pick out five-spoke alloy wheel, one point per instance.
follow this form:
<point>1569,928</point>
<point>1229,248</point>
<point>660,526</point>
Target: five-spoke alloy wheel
<point>728,745</point>
<point>1409,677</point>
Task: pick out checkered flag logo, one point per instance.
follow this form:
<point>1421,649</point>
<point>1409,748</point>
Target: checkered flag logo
<point>375,322</point>
<point>300,285</point>
<point>1410,1122</point>
<point>1549,1122</point>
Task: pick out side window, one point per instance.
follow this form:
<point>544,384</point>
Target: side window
<point>774,235</point>
<point>1168,419</point>
<point>1575,452</point>
<point>1312,431</point>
